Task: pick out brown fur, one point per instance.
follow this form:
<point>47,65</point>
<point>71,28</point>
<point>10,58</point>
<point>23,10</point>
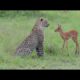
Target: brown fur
<point>67,35</point>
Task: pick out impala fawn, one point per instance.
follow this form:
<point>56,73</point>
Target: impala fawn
<point>67,35</point>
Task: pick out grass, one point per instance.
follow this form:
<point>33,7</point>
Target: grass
<point>14,29</point>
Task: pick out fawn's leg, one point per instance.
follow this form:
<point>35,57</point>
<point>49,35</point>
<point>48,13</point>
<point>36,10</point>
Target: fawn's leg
<point>63,46</point>
<point>77,45</point>
<point>67,46</point>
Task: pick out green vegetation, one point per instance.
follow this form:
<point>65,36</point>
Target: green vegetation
<point>15,26</point>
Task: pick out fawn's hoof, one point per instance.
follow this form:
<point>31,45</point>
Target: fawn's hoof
<point>77,52</point>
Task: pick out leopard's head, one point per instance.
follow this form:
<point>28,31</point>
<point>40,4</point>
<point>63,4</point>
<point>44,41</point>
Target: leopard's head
<point>42,22</point>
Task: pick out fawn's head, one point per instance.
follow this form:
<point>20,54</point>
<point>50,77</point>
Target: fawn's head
<point>58,28</point>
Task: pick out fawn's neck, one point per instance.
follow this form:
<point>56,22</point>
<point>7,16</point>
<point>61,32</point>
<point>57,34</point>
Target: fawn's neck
<point>61,33</point>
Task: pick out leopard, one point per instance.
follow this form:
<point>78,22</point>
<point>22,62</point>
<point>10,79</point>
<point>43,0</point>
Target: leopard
<point>35,40</point>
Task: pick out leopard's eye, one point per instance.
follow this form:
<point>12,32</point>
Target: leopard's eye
<point>41,19</point>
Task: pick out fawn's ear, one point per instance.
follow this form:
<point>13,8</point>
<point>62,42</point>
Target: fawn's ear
<point>59,25</point>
